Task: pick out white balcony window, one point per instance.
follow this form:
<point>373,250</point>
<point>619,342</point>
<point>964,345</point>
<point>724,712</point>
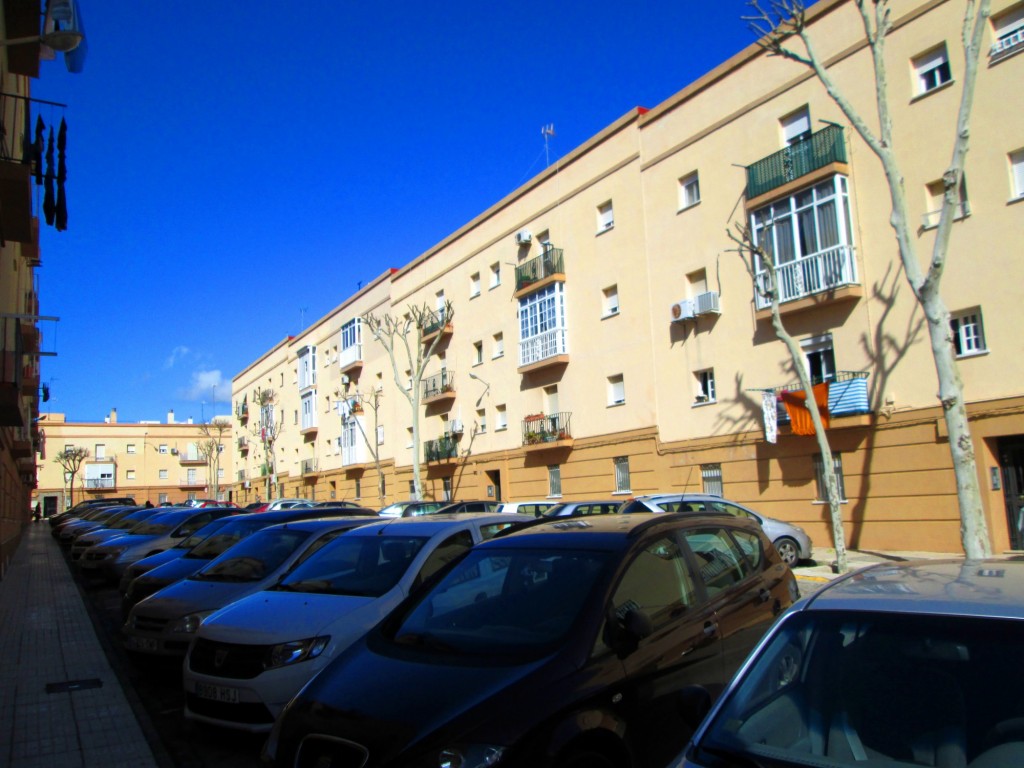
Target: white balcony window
<point>351,342</point>
<point>968,333</point>
<point>309,410</point>
<point>931,70</point>
<point>1007,34</point>
<point>307,367</point>
<point>542,329</point>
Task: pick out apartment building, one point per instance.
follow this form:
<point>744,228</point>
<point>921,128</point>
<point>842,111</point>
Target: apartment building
<point>21,163</point>
<point>606,338</point>
<point>161,462</point>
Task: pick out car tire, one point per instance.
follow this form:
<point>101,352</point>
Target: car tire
<point>587,758</point>
<point>788,550</point>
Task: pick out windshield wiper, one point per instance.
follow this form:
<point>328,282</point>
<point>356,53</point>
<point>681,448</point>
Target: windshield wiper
<point>309,585</point>
<point>424,640</point>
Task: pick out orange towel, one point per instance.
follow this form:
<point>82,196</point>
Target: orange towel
<point>799,417</point>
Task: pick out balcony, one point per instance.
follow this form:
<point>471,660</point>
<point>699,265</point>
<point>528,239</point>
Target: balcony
<point>828,275</point>
<point>543,431</point>
<point>350,358</point>
<point>243,444</point>
<point>1006,45</point>
<point>192,481</point>
<point>543,350</point>
<point>310,467</point>
<point>354,454</point>
<point>241,476</point>
<point>442,449</point>
<point>540,271</point>
<point>438,388</point>
<point>820,150</point>
<point>191,460</point>
<point>99,483</point>
<point>242,412</point>
<point>847,397</point>
<point>434,324</point>
<point>11,372</point>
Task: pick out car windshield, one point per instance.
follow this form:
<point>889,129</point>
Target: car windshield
<point>503,603</point>
<point>363,566</point>
<point>129,522</point>
<point>222,540</point>
<point>201,535</point>
<point>156,527</point>
<point>840,688</point>
<point>256,557</point>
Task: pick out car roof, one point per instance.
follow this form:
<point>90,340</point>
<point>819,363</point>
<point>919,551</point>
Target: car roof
<point>610,532</point>
<point>428,525</point>
<point>316,525</point>
<point>954,587</point>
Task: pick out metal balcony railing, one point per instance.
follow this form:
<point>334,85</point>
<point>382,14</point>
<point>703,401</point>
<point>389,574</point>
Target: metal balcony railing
<point>242,412</point>
<point>542,346</point>
<point>439,384</point>
<point>807,275</point>
<point>440,449</point>
<point>790,163</point>
<point>99,482</point>
<point>241,475</point>
<point>547,427</point>
<point>310,466</point>
<point>847,395</point>
<point>435,322</point>
<point>548,263</point>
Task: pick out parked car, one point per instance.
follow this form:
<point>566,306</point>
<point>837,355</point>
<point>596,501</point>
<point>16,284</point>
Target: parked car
<point>204,503</point>
<point>101,517</point>
<point>396,509</point>
<point>115,529</point>
<point>147,576</point>
<point>155,534</point>
<point>893,665</point>
<point>561,644</point>
<point>791,540</point>
<point>83,506</point>
<point>419,508</point>
<point>459,507</point>
<point>250,658</point>
<point>535,508</point>
<point>164,623</point>
<point>584,508</point>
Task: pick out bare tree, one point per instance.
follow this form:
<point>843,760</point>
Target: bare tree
<point>267,432</point>
<point>210,448</point>
<point>766,284</point>
<point>404,335</point>
<point>782,22</point>
<point>71,460</point>
<point>349,408</point>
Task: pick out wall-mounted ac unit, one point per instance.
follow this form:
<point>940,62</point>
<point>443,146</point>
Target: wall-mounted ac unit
<point>523,237</point>
<point>174,451</point>
<point>455,426</point>
<point>345,379</point>
<point>682,310</point>
<point>707,303</point>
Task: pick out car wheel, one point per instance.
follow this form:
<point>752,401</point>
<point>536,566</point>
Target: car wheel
<point>788,550</point>
<point>586,759</point>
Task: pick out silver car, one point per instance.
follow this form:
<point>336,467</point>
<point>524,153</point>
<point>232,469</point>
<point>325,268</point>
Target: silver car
<point>790,540</point>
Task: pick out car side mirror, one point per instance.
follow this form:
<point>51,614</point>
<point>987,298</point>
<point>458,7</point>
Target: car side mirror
<point>694,703</point>
<point>633,627</point>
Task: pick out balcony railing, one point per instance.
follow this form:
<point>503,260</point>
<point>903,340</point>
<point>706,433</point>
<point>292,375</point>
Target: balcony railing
<point>547,427</point>
<point>807,275</point>
<point>439,384</point>
<point>548,263</point>
<point>1006,45</point>
<point>243,444</point>
<point>241,475</point>
<point>440,449</point>
<point>542,346</point>
<point>92,483</point>
<point>790,163</point>
<point>435,322</point>
<point>350,356</point>
<point>847,395</point>
<point>309,466</point>
<point>192,481</point>
<point>242,412</point>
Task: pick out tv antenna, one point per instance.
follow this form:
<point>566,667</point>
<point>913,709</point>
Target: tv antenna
<point>547,131</point>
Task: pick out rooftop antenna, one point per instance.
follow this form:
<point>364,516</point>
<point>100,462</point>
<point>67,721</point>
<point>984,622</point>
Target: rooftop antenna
<point>547,131</point>
<point>302,318</point>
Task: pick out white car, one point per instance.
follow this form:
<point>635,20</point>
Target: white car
<point>249,659</point>
<point>532,508</point>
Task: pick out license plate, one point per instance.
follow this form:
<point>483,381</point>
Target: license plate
<point>217,693</point>
<point>144,644</point>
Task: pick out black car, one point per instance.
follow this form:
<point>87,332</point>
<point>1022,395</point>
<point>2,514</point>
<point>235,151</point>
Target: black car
<point>564,643</point>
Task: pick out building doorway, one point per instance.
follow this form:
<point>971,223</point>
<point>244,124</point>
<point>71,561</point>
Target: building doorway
<point>1011,463</point>
<point>494,483</point>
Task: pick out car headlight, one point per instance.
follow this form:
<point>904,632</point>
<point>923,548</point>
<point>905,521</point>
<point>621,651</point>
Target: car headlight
<point>189,624</point>
<point>470,756</point>
<point>297,650</point>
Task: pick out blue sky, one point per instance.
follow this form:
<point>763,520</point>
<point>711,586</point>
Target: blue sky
<point>209,142</point>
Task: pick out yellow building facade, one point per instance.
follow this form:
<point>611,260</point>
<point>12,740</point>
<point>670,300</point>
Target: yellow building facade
<point>606,338</point>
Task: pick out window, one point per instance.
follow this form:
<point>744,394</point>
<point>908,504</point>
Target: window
<point>498,348</point>
<point>351,342</point>
<point>500,418</point>
<point>409,432</point>
<point>542,324</point>
<point>295,416</point>
<point>130,449</point>
<point>554,480</point>
<point>610,304</point>
<point>162,448</point>
<point>936,195</point>
<point>220,474</point>
<point>819,358</point>
<point>412,489</point>
<point>1007,34</point>
<point>658,583</point>
<point>616,390</point>
<point>100,452</point>
<point>495,275</point>
<point>307,367</point>
<point>819,476</point>
<point>796,126</point>
<point>478,352</point>
<point>689,191</point>
<point>130,474</point>
<point>621,474</point>
<point>711,474</point>
<point>163,474</point>
<point>359,487</point>
<point>722,564</point>
<point>309,420</point>
<point>705,386</point>
<point>481,418</point>
<point>968,334</point>
<point>446,488</point>
<point>380,434</point>
<point>408,380</point>
<point>931,70</point>
<point>1017,174</point>
<point>162,499</point>
<point>605,217</point>
<point>474,285</point>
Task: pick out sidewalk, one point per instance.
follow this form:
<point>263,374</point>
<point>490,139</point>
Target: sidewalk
<point>819,568</point>
<point>60,701</point>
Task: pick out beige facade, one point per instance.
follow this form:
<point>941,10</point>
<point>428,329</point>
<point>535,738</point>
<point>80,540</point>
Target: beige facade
<point>606,338</point>
<point>151,461</point>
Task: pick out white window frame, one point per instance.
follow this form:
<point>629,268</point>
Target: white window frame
<point>706,393</point>
<point>967,328</point>
<point>499,346</point>
<point>711,477</point>
<point>620,465</point>
<point>821,349</point>
<point>931,70</point>
<point>605,216</point>
<point>478,353</point>
<point>796,126</point>
<point>130,449</point>
<point>1016,160</point>
<point>495,275</point>
<point>481,417</point>
<point>689,191</point>
<point>1007,34</point>
<point>935,192</point>
<point>162,475</point>
<point>163,448</point>
<point>616,390</point>
<point>474,285</point>
<point>610,301</point>
<point>309,415</point>
<point>554,481</point>
<point>500,418</point>
<point>129,474</point>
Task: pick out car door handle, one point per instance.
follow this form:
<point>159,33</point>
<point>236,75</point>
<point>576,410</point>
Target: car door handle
<point>763,595</point>
<point>710,628</point>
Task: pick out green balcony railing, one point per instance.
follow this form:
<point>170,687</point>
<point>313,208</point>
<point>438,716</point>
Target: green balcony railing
<point>440,449</point>
<point>548,263</point>
<point>818,150</point>
<point>434,322</point>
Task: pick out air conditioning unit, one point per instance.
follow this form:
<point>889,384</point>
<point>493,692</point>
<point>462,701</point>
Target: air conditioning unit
<point>523,237</point>
<point>345,379</point>
<point>455,426</point>
<point>707,303</point>
<point>682,310</point>
<point>174,451</point>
